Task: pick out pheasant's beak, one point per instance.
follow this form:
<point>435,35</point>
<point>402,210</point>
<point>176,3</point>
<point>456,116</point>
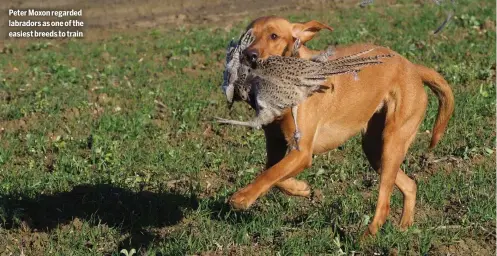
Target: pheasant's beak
<point>227,88</point>
<point>229,93</point>
<point>229,99</point>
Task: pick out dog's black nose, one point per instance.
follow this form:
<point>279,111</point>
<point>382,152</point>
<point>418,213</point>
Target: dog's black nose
<point>251,55</point>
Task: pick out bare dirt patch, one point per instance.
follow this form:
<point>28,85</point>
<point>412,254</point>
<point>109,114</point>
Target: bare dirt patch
<point>465,247</point>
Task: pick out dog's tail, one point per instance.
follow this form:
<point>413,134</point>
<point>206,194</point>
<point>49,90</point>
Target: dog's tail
<point>445,100</point>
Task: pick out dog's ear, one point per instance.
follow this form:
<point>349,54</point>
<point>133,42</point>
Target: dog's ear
<point>306,31</point>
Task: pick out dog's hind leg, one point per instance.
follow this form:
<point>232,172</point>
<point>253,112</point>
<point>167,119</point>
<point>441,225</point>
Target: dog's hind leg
<point>385,143</point>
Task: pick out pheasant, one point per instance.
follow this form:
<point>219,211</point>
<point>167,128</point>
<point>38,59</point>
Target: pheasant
<point>280,82</point>
<point>235,75</point>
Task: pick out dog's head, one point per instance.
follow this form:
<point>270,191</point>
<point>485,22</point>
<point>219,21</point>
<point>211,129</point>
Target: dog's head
<point>276,36</point>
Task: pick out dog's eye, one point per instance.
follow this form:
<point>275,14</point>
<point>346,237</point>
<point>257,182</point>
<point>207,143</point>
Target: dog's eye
<point>274,36</point>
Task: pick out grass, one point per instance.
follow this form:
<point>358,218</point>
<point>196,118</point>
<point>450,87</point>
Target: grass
<point>109,145</point>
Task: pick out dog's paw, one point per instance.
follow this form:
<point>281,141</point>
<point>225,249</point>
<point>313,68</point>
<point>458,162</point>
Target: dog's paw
<point>294,187</point>
<point>405,223</point>
<point>242,200</point>
<point>369,233</point>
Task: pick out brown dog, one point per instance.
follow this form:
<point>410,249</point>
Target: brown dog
<point>387,104</point>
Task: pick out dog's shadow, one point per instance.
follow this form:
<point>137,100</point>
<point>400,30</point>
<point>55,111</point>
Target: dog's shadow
<point>133,212</point>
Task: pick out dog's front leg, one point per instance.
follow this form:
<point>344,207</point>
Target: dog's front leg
<point>278,174</point>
